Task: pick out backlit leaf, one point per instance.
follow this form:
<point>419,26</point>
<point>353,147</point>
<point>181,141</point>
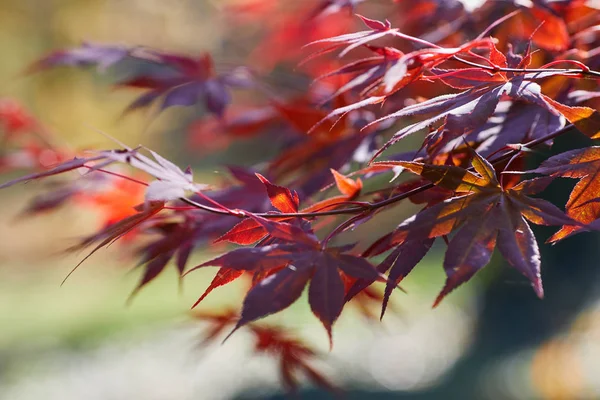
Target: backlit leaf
<point>282,198</point>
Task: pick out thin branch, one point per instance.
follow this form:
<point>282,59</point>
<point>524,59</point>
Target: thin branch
<point>207,208</point>
<point>583,71</point>
<point>342,227</point>
<point>588,72</point>
<point>382,203</point>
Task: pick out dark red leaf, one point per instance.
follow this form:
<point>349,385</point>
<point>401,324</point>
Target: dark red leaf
<point>251,259</point>
<point>519,247</point>
<point>274,293</point>
<point>469,251</point>
<point>64,167</point>
<point>406,257</point>
<point>117,230</point>
<point>326,295</point>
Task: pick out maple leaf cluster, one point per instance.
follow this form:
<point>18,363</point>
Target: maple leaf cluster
<point>479,89</point>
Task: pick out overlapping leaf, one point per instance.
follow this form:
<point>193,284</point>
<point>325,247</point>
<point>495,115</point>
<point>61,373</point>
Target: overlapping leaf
<point>463,112</point>
<point>178,80</point>
<point>484,216</point>
<point>379,77</point>
<point>584,165</point>
<point>460,113</point>
<point>513,122</point>
<point>303,261</point>
<point>117,230</point>
<point>400,262</point>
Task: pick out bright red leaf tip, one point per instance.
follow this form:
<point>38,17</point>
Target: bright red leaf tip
<point>244,233</point>
<point>223,277</point>
<point>374,24</point>
<point>282,198</point>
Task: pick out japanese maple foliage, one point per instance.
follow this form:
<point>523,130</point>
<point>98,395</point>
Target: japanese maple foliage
<point>480,90</point>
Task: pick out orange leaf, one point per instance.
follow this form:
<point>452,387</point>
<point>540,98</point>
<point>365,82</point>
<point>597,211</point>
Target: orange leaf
<point>347,186</point>
<point>582,164</point>
<point>585,119</point>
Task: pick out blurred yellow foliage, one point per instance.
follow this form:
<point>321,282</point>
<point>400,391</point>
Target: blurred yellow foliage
<point>70,101</point>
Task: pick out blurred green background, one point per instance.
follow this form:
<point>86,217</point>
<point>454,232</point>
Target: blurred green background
<point>490,339</point>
